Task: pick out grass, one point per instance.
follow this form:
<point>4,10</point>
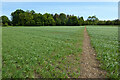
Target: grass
<point>105,41</point>
<point>46,52</point>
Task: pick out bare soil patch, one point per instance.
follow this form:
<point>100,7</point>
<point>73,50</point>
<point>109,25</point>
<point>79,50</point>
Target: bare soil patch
<point>90,66</point>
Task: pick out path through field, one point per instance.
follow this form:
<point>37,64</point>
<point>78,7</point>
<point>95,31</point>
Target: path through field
<point>89,64</point>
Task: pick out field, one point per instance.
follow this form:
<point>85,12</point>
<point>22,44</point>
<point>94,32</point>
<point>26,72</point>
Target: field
<point>50,52</point>
<point>41,51</point>
<point>105,42</point>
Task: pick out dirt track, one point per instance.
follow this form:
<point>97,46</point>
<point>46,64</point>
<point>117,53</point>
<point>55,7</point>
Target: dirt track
<point>89,64</point>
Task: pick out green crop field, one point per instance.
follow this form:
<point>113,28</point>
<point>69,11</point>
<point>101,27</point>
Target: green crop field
<point>105,41</point>
<point>50,52</point>
<point>41,51</point>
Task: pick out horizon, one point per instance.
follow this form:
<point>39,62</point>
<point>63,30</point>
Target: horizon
<point>102,10</point>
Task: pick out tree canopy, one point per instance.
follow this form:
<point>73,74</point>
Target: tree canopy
<point>31,18</point>
<point>5,21</point>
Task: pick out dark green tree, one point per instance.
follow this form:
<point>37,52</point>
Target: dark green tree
<point>38,18</point>
<point>81,21</point>
<point>92,20</point>
<point>73,21</point>
<point>63,19</point>
<point>101,23</point>
<point>109,22</point>
<point>48,20</point>
<point>5,21</point>
<point>16,17</point>
<point>57,19</point>
<point>29,19</point>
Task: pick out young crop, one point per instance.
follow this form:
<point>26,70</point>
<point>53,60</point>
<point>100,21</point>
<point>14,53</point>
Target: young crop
<point>105,42</point>
<point>40,52</point>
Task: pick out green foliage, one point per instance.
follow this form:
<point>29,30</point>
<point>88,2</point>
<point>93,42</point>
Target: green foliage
<point>5,20</point>
<point>31,18</point>
<point>48,20</point>
<point>30,52</point>
<point>63,18</point>
<point>92,20</point>
<point>73,20</point>
<point>81,21</point>
<point>16,18</point>
<point>105,42</point>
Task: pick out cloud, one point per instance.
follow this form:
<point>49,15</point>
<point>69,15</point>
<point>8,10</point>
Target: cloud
<point>60,0</point>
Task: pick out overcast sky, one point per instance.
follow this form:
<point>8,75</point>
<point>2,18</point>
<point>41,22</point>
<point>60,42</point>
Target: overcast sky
<point>60,0</point>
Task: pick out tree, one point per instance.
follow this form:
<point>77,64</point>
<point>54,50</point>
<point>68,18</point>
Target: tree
<point>5,21</point>
<point>22,19</point>
<point>58,22</point>
<point>116,22</point>
<point>73,21</point>
<point>32,12</point>
<point>63,19</point>
<point>16,17</point>
<point>57,19</point>
<point>101,23</point>
<point>29,19</point>
<point>38,18</point>
<point>95,20</point>
<point>92,20</point>
<point>81,21</point>
<point>51,21</point>
<point>109,22</point>
<point>89,20</point>
<point>48,20</point>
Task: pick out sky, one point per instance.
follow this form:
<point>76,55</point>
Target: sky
<point>103,10</point>
<point>60,0</point>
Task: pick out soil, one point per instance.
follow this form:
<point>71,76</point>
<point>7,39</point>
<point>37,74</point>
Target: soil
<point>90,66</point>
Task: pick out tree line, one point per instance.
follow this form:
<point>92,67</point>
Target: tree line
<point>30,18</point>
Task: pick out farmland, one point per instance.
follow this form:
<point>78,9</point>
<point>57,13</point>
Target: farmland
<point>41,51</point>
<point>50,52</point>
<point>105,41</point>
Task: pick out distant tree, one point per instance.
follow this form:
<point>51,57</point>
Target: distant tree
<point>32,12</point>
<point>116,22</point>
<point>89,20</point>
<point>63,19</point>
<point>101,23</point>
<point>95,20</point>
<point>92,20</point>
<point>55,16</point>
<point>57,19</point>
<point>48,20</point>
<point>58,22</point>
<point>109,22</point>
<point>38,18</point>
<point>22,19</point>
<point>51,21</point>
<point>16,18</point>
<point>31,18</point>
<point>73,21</point>
<point>81,21</point>
<point>5,21</point>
